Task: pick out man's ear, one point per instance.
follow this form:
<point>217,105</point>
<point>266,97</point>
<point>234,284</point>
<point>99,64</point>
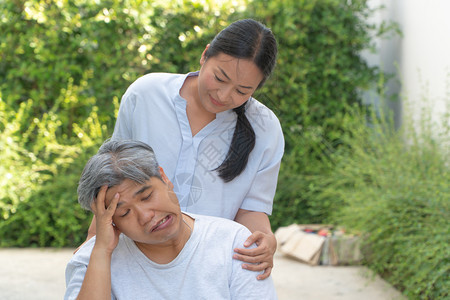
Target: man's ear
<point>203,58</point>
<point>165,178</point>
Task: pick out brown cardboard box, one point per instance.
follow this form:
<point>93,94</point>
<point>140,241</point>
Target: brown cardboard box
<point>294,242</point>
<point>312,248</point>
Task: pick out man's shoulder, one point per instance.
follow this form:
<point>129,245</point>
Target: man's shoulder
<point>83,254</point>
<point>214,220</point>
<point>220,225</point>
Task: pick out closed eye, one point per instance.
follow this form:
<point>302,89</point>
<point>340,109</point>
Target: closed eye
<point>240,93</point>
<point>125,214</point>
<point>148,197</point>
<point>218,79</point>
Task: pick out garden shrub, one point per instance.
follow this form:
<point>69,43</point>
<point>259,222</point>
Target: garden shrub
<point>63,68</point>
<point>65,64</point>
<point>38,204</point>
<point>319,59</point>
<point>86,53</point>
<point>319,72</point>
<point>392,187</point>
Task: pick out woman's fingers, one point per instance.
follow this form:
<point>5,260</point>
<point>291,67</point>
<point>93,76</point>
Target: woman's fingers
<point>256,238</point>
<point>256,267</point>
<point>262,249</point>
<point>265,274</point>
<point>253,259</point>
<point>257,264</point>
<point>260,258</point>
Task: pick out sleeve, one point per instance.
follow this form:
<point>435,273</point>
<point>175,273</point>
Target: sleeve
<point>243,283</point>
<point>271,149</point>
<point>75,272</point>
<point>124,123</point>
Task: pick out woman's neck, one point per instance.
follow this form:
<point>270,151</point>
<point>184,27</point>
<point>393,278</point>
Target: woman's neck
<point>198,117</point>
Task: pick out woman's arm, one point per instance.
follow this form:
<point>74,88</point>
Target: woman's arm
<point>261,257</point>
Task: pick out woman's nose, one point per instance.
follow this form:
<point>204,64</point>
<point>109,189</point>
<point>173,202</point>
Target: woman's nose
<point>225,94</point>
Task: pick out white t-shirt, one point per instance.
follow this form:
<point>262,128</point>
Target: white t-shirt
<point>204,269</point>
<point>152,111</point>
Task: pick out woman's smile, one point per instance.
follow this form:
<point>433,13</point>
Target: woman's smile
<point>216,102</point>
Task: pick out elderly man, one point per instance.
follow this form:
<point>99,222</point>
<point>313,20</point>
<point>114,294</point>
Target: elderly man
<point>145,246</point>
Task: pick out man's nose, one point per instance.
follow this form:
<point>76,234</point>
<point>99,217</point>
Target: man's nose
<point>145,214</point>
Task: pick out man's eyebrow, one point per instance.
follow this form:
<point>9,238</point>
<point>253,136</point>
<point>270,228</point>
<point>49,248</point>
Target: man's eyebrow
<point>225,74</point>
<point>143,189</point>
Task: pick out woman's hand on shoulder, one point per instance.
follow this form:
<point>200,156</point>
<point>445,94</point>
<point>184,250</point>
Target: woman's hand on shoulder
<point>260,258</point>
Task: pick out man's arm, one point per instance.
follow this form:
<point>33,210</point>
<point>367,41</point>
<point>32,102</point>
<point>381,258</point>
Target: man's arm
<point>97,281</point>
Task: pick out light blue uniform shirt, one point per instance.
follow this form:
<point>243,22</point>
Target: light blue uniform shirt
<point>152,111</point>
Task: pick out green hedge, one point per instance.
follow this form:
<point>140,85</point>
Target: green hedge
<point>64,66</point>
<point>39,176</point>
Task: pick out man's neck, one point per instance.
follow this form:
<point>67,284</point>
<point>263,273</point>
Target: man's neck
<point>167,252</point>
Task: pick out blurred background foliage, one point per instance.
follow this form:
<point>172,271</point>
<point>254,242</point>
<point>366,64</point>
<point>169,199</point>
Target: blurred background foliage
<point>64,65</point>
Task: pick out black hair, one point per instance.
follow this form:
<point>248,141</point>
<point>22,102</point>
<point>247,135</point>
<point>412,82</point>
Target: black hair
<point>246,39</point>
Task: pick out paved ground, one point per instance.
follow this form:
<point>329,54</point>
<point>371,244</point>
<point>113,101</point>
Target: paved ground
<point>39,274</point>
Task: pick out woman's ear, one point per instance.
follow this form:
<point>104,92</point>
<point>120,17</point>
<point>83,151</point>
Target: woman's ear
<point>165,178</point>
<point>203,58</point>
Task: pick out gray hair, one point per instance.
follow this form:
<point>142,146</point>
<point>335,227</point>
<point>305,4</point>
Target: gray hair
<point>114,162</point>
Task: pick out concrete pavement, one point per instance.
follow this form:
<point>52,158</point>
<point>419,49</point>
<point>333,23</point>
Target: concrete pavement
<point>39,274</point>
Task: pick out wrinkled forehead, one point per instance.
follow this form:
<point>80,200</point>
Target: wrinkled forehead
<point>127,188</point>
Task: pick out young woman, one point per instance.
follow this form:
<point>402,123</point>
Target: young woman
<point>220,147</point>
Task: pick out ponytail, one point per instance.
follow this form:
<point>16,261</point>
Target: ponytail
<point>243,39</point>
<point>242,144</point>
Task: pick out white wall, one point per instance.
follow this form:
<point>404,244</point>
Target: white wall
<point>421,58</point>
